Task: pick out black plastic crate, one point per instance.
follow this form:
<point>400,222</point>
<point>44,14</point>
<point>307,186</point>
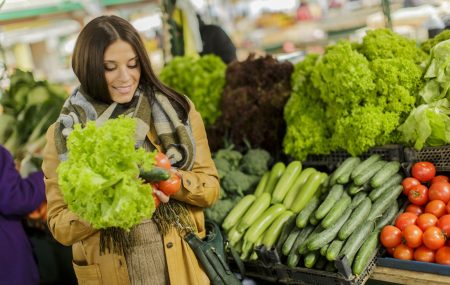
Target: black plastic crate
<point>439,156</point>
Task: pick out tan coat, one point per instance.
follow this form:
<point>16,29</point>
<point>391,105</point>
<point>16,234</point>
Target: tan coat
<point>200,189</point>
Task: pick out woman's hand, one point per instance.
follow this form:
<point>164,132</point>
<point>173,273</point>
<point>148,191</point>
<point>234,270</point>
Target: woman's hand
<point>163,198</point>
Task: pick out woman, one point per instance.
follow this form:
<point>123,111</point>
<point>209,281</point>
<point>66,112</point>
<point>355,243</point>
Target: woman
<point>18,197</point>
<point>116,78</point>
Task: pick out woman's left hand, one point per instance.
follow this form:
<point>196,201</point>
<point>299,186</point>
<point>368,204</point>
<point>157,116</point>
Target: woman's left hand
<point>163,198</point>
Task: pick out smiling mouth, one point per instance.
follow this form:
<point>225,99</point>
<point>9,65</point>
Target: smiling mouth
<point>124,90</point>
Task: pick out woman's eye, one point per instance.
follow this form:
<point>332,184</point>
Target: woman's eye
<point>133,65</point>
<point>109,68</point>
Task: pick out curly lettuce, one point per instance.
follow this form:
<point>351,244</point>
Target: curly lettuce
<point>100,179</point>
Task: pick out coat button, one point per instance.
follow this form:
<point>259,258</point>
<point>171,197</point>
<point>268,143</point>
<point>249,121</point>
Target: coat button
<point>169,244</point>
<point>188,182</point>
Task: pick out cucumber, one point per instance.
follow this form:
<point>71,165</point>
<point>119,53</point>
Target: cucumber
<point>343,172</point>
<point>237,212</point>
<point>273,232</point>
<point>323,249</point>
<point>303,216</point>
<point>256,209</point>
<point>298,183</point>
<point>263,222</point>
<point>367,250</point>
<point>357,217</point>
<point>354,189</point>
<point>307,191</point>
<point>311,258</point>
<point>294,256</point>
<point>286,181</point>
<point>334,249</point>
<point>156,174</point>
<point>313,220</point>
<point>364,165</point>
<point>303,248</point>
<point>336,212</point>
<point>365,176</point>
<point>357,199</point>
<point>377,192</point>
<point>287,229</point>
<point>262,184</point>
<point>355,241</point>
<point>333,196</point>
<point>275,174</point>
<point>327,235</point>
<point>384,174</point>
<point>292,237</point>
<point>388,216</point>
<point>383,202</point>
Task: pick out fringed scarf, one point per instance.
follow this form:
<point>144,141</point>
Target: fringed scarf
<point>176,140</point>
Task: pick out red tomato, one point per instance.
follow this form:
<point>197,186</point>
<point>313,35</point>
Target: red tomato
<point>408,183</point>
<point>403,252</point>
<point>426,220</point>
<point>439,191</point>
<point>433,238</point>
<point>413,236</point>
<point>443,255</point>
<point>436,207</point>
<point>390,236</point>
<point>440,178</point>
<point>162,161</point>
<point>448,208</point>
<point>390,250</point>
<point>415,209</point>
<point>444,225</point>
<point>156,200</point>
<point>171,185</point>
<point>405,219</point>
<point>424,254</point>
<point>418,195</point>
<point>424,171</point>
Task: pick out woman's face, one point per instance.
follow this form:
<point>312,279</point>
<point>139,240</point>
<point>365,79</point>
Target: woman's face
<point>122,71</point>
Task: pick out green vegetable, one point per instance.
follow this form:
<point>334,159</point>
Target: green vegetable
<point>262,184</point>
<point>220,210</point>
<point>238,183</point>
<point>377,192</point>
<point>365,164</point>
<point>334,249</point>
<point>256,209</point>
<point>307,191</point>
<point>275,174</point>
<point>383,202</point>
<point>357,218</point>
<point>292,237</point>
<point>237,212</point>
<point>383,175</point>
<point>294,255</point>
<point>223,166</point>
<point>270,236</point>
<point>337,211</point>
<point>232,156</point>
<point>333,196</point>
<point>286,181</point>
<point>367,250</point>
<point>430,43</point>
<point>255,162</point>
<point>305,213</point>
<point>342,173</point>
<point>155,174</point>
<point>263,222</point>
<point>355,241</point>
<point>369,173</point>
<point>298,183</point>
<point>387,217</point>
<point>311,259</point>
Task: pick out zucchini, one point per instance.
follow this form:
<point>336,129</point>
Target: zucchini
<point>292,237</point>
<point>273,232</point>
<point>367,250</point>
<point>355,241</point>
<point>155,174</point>
<point>287,229</point>
<point>327,235</point>
<point>275,174</point>
<point>357,199</point>
<point>256,209</point>
<point>286,181</point>
<point>294,256</point>
<point>383,202</point>
<point>388,216</point>
<point>384,174</point>
<point>263,222</point>
<point>334,249</point>
<point>307,191</point>
<point>354,189</point>
<point>237,212</point>
<point>298,183</point>
<point>343,172</point>
<point>234,236</point>
<point>262,184</point>
<point>364,165</point>
<point>364,177</point>
<point>377,192</point>
<point>357,217</point>
<point>311,259</point>
<point>336,212</point>
<point>333,196</point>
<point>303,216</point>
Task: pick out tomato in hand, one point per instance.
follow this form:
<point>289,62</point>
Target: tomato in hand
<point>413,236</point>
<point>440,178</point>
<point>156,200</point>
<point>162,161</point>
<point>415,209</point>
<point>426,220</point>
<point>390,250</point>
<point>418,195</point>
<point>390,236</point>
<point>424,254</point>
<point>423,170</point>
<point>408,183</point>
<point>403,252</point>
<point>433,238</point>
<point>443,255</point>
<point>436,207</point>
<point>405,219</point>
<point>439,191</point>
<point>444,224</point>
<point>171,185</point>
<point>448,208</point>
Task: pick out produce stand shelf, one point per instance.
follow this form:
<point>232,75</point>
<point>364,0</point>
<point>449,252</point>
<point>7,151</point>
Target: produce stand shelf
<point>407,277</point>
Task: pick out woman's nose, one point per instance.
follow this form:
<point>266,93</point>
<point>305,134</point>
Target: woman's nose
<point>124,74</point>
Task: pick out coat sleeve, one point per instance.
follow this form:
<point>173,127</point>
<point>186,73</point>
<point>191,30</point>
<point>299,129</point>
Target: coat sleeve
<point>200,186</point>
<point>18,196</point>
<point>66,226</point>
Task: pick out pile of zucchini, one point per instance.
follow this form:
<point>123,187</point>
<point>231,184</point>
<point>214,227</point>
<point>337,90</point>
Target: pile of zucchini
<point>345,220</point>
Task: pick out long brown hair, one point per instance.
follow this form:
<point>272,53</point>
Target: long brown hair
<point>88,55</point>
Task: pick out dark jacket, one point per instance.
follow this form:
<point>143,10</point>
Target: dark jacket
<point>216,41</point>
<point>18,197</point>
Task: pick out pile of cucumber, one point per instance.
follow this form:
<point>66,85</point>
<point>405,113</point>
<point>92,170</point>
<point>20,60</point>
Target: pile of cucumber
<point>345,220</point>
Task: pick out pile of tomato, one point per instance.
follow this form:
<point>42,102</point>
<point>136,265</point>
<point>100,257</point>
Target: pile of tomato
<point>422,232</point>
